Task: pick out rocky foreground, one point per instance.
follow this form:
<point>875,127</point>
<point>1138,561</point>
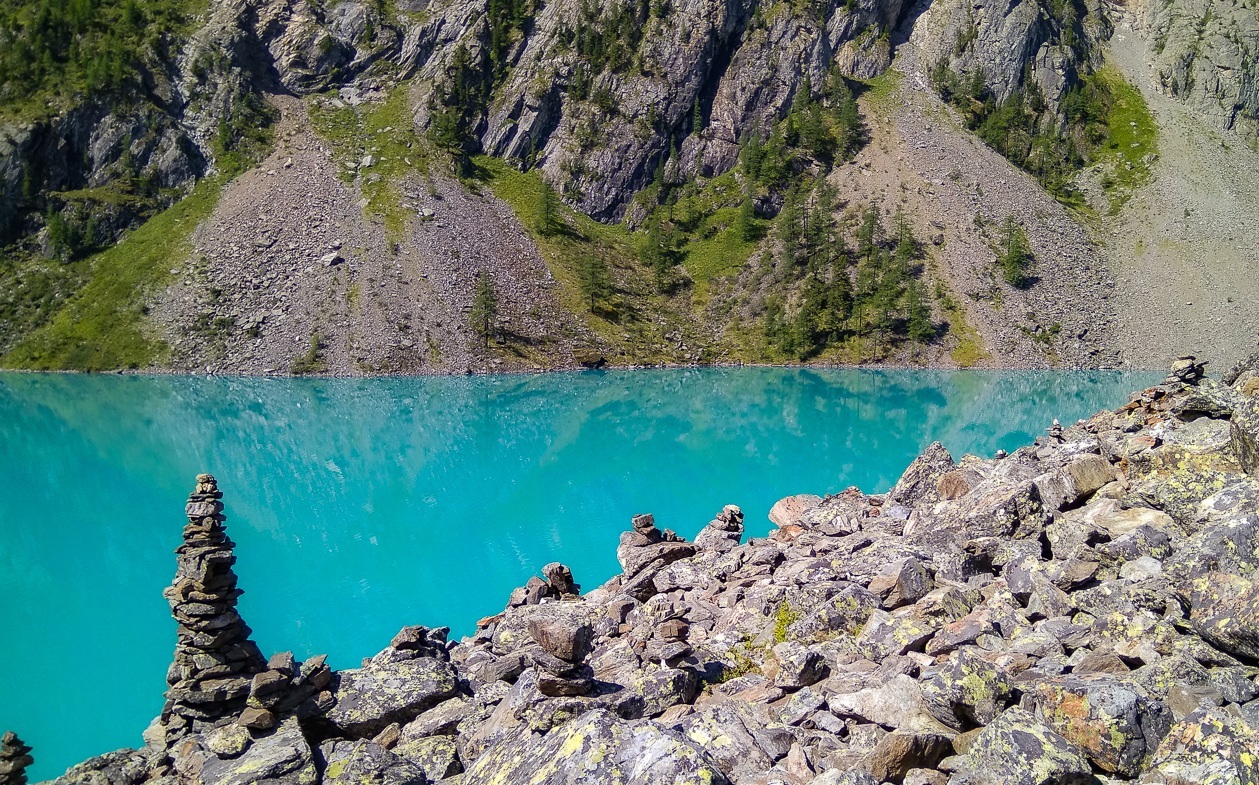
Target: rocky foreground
<point>1084,610</point>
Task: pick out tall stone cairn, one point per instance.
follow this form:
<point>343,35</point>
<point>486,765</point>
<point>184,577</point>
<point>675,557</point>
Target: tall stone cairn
<point>14,758</point>
<point>215,660</point>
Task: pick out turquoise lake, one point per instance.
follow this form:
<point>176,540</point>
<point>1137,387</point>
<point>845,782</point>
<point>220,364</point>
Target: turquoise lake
<point>361,506</point>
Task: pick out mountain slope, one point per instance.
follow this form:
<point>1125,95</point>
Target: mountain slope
<point>749,209</point>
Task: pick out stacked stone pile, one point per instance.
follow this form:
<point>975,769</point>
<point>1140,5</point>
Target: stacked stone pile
<point>212,676</point>
<point>15,756</point>
<point>1082,610</point>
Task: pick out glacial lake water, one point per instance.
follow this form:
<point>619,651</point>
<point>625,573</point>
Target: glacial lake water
<point>361,506</point>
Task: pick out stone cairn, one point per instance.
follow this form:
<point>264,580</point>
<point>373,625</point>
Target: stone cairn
<point>564,641</point>
<point>215,661</point>
<point>14,758</point>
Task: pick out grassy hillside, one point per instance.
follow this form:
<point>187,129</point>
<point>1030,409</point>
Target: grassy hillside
<point>101,327</point>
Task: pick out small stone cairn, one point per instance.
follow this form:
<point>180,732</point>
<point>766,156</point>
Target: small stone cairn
<point>1187,369</point>
<point>564,642</point>
<point>15,756</point>
<point>557,586</point>
<point>215,661</point>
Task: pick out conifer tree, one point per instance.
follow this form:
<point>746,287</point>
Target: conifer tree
<point>484,308</point>
<point>547,222</point>
<point>593,279</point>
<point>1016,254</point>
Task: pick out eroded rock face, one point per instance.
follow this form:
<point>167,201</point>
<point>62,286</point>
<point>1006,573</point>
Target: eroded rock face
<point>1204,54</point>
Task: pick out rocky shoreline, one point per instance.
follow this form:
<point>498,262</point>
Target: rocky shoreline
<point>1083,610</point>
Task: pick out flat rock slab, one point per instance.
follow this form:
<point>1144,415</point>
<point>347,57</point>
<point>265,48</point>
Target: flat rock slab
<point>369,699</point>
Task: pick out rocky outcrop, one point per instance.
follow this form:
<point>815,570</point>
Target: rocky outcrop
<point>1206,53</point>
<point>1081,607</point>
<point>1013,46</point>
<point>15,756</point>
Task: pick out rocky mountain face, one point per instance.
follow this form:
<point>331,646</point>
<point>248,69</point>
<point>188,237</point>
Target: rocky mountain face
<point>1082,610</point>
<point>1207,55</point>
<point>620,107</point>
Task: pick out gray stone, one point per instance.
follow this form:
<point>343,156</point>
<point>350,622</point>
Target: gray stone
<point>1019,749</point>
<point>598,747</point>
<point>369,699</point>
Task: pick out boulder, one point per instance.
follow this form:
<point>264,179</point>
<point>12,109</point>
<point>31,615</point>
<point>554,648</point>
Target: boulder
<point>968,689</point>
<point>597,747</point>
<point>739,737</point>
<point>886,634</point>
<point>798,665</point>
<point>897,704</point>
<point>369,699</point>
<point>1210,747</point>
<point>1114,722</point>
<point>1224,610</point>
<point>366,763</point>
<point>436,756</point>
<point>283,758</point>
<point>921,481</point>
<point>562,635</point>
<point>1244,435</point>
<point>899,751</point>
<point>790,511</point>
<point>1019,749</point>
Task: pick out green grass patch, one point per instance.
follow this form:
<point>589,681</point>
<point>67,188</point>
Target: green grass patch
<point>579,236</point>
<point>883,92</point>
<point>969,350</point>
<point>386,132</point>
<point>633,322</point>
<point>1131,140</point>
<point>721,253</point>
<point>101,327</point>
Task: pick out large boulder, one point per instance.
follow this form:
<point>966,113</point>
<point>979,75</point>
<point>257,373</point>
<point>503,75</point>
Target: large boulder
<point>1224,609</point>
<point>1114,722</point>
<point>283,758</point>
<point>1210,747</point>
<point>920,482</point>
<point>1019,749</point>
<point>597,747</point>
<point>739,736</point>
<point>369,699</point>
<point>967,689</point>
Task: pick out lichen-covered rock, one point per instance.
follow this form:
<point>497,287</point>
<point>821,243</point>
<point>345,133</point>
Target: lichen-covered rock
<point>920,482</point>
<point>885,634</point>
<point>1245,435</point>
<point>365,763</point>
<point>369,699</point>
<point>1210,747</point>
<point>436,756</point>
<point>1019,749</point>
<point>1224,609</point>
<point>598,747</point>
<point>968,688</point>
<point>283,758</point>
<point>1115,724</point>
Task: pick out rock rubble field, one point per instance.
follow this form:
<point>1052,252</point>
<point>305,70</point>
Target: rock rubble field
<point>1082,610</point>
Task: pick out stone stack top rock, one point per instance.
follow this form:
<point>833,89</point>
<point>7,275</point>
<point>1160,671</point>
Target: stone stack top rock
<point>15,756</point>
<point>215,660</point>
